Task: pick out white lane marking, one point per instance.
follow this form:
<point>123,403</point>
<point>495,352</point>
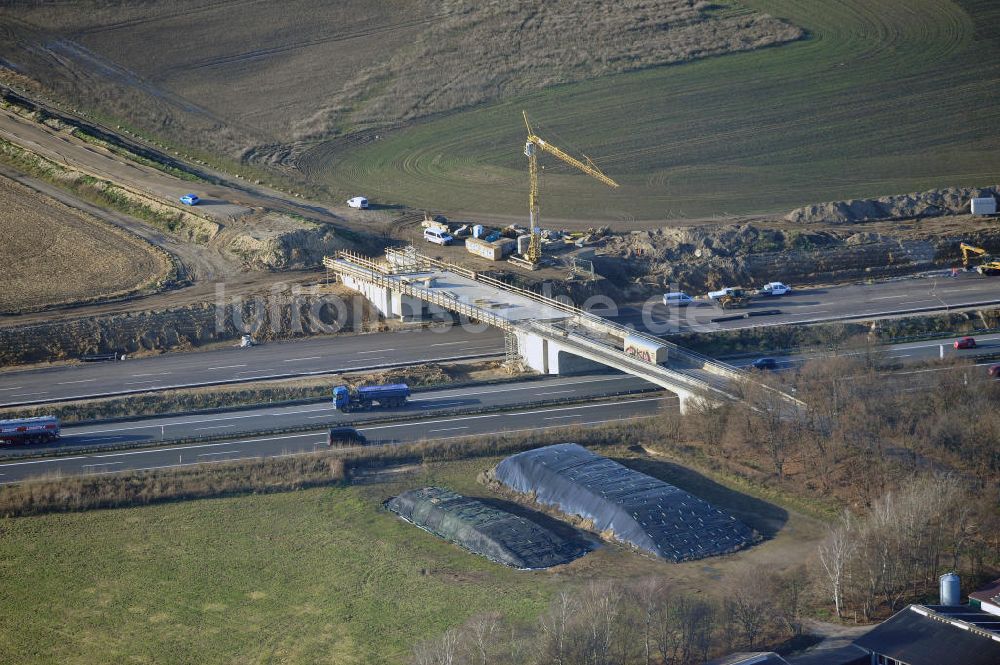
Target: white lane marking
<point>153,374</point>
<point>227,452</point>
<point>14,388</point>
<point>85,466</point>
<point>322,415</point>
<point>45,461</point>
<point>26,394</point>
<point>520,387</point>
<point>133,383</point>
<point>887,297</point>
<point>66,383</point>
<point>295,360</point>
<point>198,429</point>
<point>203,420</point>
<point>556,392</point>
<point>361,353</point>
<point>313,434</point>
<point>447,429</point>
<point>575,415</point>
<point>226,367</point>
<point>509,414</point>
<point>448,343</point>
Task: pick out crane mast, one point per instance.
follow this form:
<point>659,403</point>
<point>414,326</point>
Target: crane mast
<point>532,145</point>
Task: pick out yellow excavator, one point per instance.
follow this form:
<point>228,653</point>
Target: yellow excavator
<point>735,298</point>
<point>531,147</point>
<point>987,267</point>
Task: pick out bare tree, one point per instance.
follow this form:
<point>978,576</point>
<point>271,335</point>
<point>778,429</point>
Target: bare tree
<point>835,555</point>
<point>555,626</point>
<point>751,604</point>
<point>482,631</point>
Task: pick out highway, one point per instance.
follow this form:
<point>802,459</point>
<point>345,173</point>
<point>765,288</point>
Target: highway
<point>909,352</point>
<point>932,291</point>
<point>323,355</point>
<point>318,355</point>
<point>445,427</point>
<point>422,404</point>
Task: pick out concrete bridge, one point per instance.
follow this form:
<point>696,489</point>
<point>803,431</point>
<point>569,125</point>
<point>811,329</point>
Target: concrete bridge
<point>550,336</point>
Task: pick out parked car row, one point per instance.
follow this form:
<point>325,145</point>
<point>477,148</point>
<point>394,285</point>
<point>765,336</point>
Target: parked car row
<point>681,299</point>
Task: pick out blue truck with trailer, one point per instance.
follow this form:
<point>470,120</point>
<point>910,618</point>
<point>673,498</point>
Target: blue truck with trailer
<point>388,396</point>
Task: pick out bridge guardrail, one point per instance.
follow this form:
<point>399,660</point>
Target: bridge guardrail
<point>717,367</point>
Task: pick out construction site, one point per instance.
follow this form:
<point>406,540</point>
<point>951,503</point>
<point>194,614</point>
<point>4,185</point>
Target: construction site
<point>437,333</point>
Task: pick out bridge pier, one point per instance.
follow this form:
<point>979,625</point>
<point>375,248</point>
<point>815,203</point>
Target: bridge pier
<point>547,356</point>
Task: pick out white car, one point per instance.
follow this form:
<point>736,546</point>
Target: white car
<point>775,289</point>
<point>677,299</point>
<point>357,202</point>
<point>438,237</point>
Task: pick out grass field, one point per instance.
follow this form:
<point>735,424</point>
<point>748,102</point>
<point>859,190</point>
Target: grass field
<point>883,96</point>
<point>51,254</point>
<point>315,576</point>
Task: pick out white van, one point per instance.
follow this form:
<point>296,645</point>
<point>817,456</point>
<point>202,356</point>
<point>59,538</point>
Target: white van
<point>677,299</point>
<point>357,202</point>
<point>438,237</point>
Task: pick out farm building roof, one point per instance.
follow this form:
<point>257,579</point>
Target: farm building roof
<point>483,529</point>
<point>637,509</point>
<point>932,635</point>
<point>756,658</point>
<point>989,594</point>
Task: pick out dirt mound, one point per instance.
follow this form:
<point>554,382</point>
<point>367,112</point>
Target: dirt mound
<point>267,317</point>
<point>933,203</point>
<point>272,241</point>
<point>701,258</point>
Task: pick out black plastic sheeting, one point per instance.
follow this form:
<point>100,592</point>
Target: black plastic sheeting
<point>637,509</point>
<point>482,529</point>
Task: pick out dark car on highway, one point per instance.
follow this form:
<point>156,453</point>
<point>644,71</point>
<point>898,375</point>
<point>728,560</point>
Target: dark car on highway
<point>994,371</point>
<point>765,364</point>
<point>345,436</point>
<point>965,343</point>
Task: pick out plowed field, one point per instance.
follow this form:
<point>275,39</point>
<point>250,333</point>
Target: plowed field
<point>51,254</point>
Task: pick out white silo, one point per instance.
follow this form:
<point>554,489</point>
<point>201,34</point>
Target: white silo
<point>951,589</point>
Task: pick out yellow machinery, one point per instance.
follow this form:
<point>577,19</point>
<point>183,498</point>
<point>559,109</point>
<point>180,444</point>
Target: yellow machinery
<point>737,297</point>
<point>971,250</point>
<point>987,267</point>
<point>531,148</point>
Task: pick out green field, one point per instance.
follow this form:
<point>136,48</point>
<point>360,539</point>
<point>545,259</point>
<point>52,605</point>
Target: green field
<point>317,576</point>
<point>884,96</point>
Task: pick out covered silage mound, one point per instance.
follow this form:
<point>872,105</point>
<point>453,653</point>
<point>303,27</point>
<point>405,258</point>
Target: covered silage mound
<point>490,532</point>
<point>637,509</point>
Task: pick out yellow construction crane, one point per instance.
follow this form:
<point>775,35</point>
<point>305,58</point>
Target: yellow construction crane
<point>531,147</point>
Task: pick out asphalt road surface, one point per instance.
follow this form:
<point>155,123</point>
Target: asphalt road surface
<point>318,355</point>
<point>391,433</point>
<point>909,352</point>
<point>342,353</point>
<point>422,404</point>
<point>932,291</point>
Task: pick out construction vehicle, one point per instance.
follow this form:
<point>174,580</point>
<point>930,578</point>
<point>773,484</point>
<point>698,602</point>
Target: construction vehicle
<point>531,147</point>
<point>41,429</point>
<point>734,298</point>
<point>986,267</point>
<point>388,396</point>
